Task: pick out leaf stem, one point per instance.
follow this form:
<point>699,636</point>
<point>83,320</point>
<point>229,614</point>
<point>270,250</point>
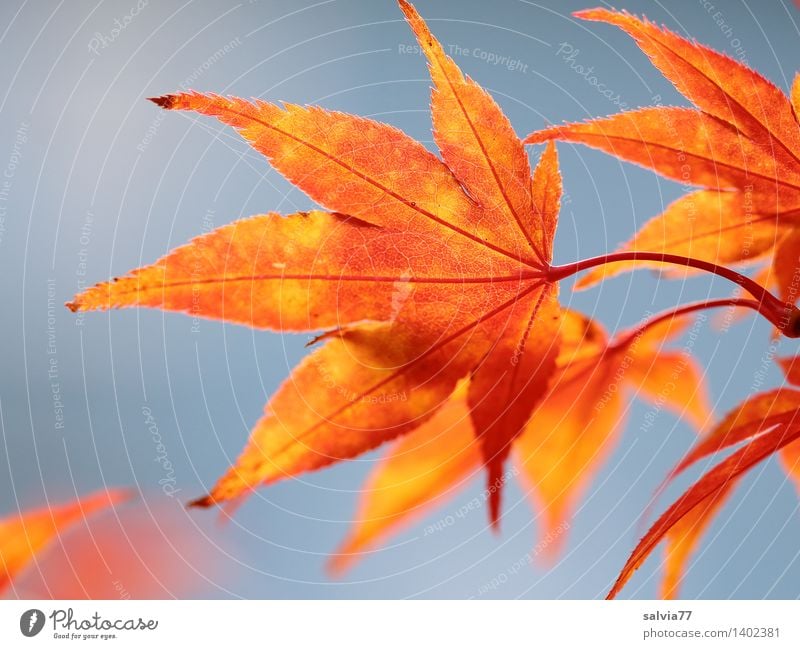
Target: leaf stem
<point>627,337</point>
<point>784,315</point>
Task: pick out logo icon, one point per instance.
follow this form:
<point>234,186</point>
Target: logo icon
<point>31,622</point>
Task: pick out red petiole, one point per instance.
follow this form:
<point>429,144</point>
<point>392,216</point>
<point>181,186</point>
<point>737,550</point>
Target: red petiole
<point>785,316</point>
<point>626,338</point>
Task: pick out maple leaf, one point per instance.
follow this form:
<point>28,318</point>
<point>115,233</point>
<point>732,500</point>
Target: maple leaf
<point>429,284</point>
<point>766,423</point>
<point>465,241</point>
<point>112,557</point>
<point>418,472</point>
<point>25,535</point>
<point>566,440</point>
<point>570,437</point>
<point>741,144</point>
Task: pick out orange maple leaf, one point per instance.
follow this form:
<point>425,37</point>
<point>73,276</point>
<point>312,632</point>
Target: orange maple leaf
<point>767,423</point>
<point>146,551</point>
<point>568,437</point>
<point>25,535</point>
<point>427,270</point>
<point>432,281</point>
<point>741,144</point>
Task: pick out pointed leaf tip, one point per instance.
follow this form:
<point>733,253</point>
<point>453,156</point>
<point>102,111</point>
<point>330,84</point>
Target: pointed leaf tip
<point>709,486</point>
<point>164,101</point>
<point>539,137</point>
<point>406,7</point>
<point>203,502</point>
<point>494,487</point>
<point>596,13</point>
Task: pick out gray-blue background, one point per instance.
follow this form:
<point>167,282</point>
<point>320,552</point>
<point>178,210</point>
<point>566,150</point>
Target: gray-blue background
<point>102,180</point>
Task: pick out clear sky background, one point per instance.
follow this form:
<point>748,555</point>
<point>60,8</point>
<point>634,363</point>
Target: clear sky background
<point>100,181</point>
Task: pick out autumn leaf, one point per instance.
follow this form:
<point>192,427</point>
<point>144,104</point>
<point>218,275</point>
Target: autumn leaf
<point>24,536</point>
<point>428,284</point>
<point>707,494</point>
<point>113,557</point>
<point>771,413</point>
<point>417,473</point>
<point>422,271</point>
<point>570,434</point>
<point>704,224</point>
<point>790,455</point>
<point>741,144</point>
<point>683,539</point>
<point>754,416</point>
